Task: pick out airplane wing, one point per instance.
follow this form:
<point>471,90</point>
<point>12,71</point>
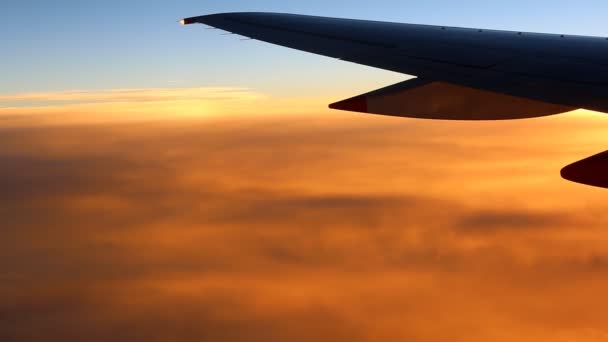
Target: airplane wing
<point>463,74</point>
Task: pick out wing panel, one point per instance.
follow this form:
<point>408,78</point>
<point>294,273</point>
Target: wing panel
<point>391,46</point>
<point>557,68</point>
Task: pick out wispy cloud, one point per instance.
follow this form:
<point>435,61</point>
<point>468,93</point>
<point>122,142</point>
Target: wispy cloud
<point>127,105</point>
<point>130,95</point>
<point>123,105</point>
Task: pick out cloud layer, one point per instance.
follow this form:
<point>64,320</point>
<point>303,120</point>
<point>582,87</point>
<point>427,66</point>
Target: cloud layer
<point>333,228</point>
<point>131,95</point>
<point>143,105</point>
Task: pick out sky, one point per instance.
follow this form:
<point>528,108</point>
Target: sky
<point>93,45</point>
<point>162,182</point>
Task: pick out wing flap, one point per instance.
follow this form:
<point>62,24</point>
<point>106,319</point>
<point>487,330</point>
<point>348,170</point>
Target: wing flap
<point>425,99</point>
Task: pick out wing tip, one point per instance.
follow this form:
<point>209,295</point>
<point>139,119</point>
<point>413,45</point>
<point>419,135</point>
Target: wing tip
<point>190,20</point>
<point>355,104</point>
<point>209,18</point>
<point>592,171</point>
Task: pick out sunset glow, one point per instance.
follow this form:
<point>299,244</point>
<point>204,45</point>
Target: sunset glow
<point>168,183</point>
<point>310,221</point>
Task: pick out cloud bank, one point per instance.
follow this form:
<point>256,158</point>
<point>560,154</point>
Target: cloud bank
<point>330,228</point>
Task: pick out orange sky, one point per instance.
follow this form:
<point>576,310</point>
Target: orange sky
<point>211,215</point>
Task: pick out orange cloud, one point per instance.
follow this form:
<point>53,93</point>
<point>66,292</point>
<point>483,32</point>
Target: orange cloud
<point>137,105</point>
<point>133,95</point>
<point>239,222</point>
<point>122,105</point>
<point>301,227</point>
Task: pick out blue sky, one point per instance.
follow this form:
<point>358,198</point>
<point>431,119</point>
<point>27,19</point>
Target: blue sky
<point>89,45</point>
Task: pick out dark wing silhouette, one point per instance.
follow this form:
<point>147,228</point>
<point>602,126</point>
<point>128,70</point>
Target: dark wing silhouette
<point>462,73</point>
<point>591,171</point>
<point>483,68</point>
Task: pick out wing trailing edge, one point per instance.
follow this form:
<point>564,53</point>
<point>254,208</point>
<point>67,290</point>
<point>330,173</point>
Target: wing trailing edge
<point>425,99</point>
